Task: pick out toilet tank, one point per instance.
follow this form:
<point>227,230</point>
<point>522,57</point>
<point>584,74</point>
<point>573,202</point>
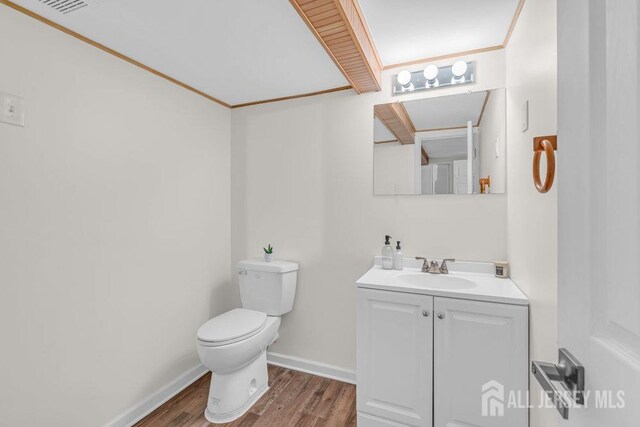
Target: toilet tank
<point>269,287</point>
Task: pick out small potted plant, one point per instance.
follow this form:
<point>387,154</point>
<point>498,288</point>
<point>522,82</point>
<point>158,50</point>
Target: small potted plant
<point>268,253</point>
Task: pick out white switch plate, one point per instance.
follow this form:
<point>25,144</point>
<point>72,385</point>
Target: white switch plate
<point>11,109</point>
<point>525,116</point>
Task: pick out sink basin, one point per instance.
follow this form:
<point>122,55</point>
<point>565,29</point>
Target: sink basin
<point>470,280</point>
<point>433,281</point>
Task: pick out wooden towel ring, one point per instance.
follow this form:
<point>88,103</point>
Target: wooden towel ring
<point>548,144</point>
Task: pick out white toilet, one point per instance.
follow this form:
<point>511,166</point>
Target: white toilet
<point>233,345</point>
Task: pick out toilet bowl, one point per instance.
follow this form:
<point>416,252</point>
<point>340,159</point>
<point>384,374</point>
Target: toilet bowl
<point>238,363</point>
<point>233,345</point>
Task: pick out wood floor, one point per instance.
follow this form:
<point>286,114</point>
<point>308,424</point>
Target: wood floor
<point>294,399</point>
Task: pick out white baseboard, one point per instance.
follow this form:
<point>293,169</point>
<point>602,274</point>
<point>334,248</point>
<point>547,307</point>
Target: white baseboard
<point>312,367</point>
<point>154,400</point>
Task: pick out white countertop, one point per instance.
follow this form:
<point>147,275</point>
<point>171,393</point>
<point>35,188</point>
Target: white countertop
<point>488,287</point>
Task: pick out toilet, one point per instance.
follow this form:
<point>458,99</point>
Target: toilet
<point>233,345</point>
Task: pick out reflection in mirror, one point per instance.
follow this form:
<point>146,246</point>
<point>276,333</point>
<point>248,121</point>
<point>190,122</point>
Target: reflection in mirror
<point>446,145</point>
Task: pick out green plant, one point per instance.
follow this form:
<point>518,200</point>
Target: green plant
<point>268,249</point>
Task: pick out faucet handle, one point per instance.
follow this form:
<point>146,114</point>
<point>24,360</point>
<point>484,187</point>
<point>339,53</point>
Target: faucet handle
<point>425,263</point>
<point>443,267</point>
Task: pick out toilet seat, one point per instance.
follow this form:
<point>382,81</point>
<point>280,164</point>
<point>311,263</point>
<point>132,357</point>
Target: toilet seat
<point>231,327</point>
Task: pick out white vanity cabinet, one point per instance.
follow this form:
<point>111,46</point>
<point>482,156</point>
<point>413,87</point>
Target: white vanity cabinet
<point>423,360</point>
<point>395,357</point>
<point>474,344</point>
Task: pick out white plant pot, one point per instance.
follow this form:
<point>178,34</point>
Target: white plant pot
<point>268,257</point>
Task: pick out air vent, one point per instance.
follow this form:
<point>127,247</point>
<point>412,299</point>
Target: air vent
<point>65,6</point>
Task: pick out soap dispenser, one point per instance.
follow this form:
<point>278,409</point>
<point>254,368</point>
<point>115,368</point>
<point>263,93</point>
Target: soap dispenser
<point>387,254</point>
<point>397,258</point>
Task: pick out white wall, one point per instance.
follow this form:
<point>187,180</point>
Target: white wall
<point>492,139</point>
<point>114,229</point>
<point>302,174</point>
<point>532,75</point>
<point>115,217</point>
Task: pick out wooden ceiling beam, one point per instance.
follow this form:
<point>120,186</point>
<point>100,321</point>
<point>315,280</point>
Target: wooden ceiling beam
<point>397,120</point>
<point>342,31</point>
<point>425,157</point>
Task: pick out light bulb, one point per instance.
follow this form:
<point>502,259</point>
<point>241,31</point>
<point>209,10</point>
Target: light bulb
<point>404,77</point>
<point>459,69</point>
<point>430,72</point>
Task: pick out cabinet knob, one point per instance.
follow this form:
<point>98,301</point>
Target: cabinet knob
<point>425,313</point>
<point>440,315</point>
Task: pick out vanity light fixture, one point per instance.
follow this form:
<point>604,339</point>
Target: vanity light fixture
<point>432,77</point>
<point>408,88</point>
<point>431,74</point>
<point>404,78</point>
<point>458,69</point>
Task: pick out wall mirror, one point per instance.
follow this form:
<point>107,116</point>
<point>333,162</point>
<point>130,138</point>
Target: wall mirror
<point>444,145</point>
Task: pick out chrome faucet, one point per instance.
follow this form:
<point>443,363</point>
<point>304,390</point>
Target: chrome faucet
<point>433,267</point>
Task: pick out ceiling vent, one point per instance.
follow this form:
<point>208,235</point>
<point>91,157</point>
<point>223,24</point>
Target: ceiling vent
<point>65,6</point>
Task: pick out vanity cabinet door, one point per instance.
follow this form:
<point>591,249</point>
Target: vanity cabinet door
<point>395,358</point>
<point>480,357</point>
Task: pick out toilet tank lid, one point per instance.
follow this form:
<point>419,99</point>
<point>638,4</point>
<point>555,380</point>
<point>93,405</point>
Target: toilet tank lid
<point>271,267</point>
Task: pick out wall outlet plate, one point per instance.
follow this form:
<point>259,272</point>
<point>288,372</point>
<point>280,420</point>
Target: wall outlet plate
<point>11,109</point>
<point>525,116</point>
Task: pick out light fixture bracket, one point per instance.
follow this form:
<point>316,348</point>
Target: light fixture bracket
<point>444,78</point>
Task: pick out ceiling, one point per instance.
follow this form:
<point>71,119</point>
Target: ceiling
<point>234,51</point>
<point>446,148</point>
<point>410,30</point>
<point>243,52</point>
<point>443,112</point>
<point>446,111</point>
